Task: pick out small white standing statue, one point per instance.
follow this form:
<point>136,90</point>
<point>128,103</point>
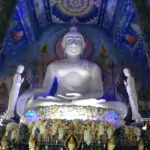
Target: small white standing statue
<point>133,98</point>
<point>17,81</point>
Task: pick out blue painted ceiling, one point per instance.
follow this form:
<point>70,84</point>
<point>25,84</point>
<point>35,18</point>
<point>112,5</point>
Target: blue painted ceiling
<point>117,17</point>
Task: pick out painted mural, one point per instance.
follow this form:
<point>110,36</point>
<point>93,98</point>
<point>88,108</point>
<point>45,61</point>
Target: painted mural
<point>143,13</point>
<point>109,13</point>
<point>75,11</point>
<point>40,13</point>
<point>6,10</point>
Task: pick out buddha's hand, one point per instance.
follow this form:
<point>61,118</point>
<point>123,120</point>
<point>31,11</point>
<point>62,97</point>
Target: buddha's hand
<point>32,97</point>
<point>70,96</point>
<point>22,80</point>
<point>125,83</point>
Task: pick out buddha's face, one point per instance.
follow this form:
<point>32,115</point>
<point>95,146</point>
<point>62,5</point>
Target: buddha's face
<point>73,46</point>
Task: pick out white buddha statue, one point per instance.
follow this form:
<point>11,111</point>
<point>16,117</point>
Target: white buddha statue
<point>79,80</point>
<point>133,98</point>
<point>17,81</point>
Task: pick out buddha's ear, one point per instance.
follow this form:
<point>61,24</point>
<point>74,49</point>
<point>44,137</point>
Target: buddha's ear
<point>84,45</point>
<point>63,44</point>
<point>64,53</point>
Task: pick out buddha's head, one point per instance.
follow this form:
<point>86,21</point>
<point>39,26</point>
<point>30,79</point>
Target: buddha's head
<point>73,43</point>
<point>20,69</point>
<point>127,72</point>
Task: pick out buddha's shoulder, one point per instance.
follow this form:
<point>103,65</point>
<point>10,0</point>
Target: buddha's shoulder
<point>55,63</point>
<point>90,63</point>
